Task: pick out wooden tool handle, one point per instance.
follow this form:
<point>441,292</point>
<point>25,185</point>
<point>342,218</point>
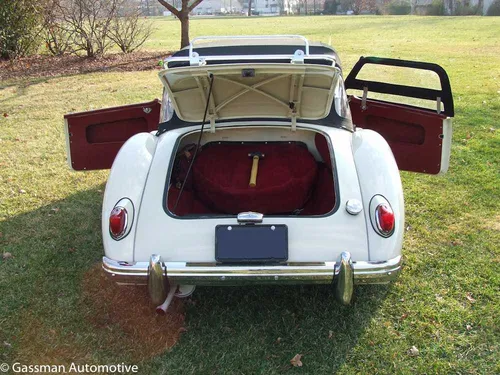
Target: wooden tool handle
<point>253,174</point>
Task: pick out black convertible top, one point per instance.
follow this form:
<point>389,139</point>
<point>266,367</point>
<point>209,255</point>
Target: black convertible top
<point>263,47</point>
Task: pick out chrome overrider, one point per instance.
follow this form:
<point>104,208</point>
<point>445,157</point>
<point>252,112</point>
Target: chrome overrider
<point>343,274</point>
<point>157,282</point>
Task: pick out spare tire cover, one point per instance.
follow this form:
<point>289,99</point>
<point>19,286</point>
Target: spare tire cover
<point>286,175</point>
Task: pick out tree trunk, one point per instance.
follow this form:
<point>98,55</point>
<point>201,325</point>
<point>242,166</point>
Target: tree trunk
<point>182,15</point>
<point>184,18</point>
<point>249,8</point>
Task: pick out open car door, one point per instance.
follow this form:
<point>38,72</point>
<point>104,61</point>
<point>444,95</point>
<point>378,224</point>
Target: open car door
<point>420,138</point>
<point>94,138</point>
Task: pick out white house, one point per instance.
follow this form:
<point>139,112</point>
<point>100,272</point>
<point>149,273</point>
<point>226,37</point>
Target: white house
<point>208,7</point>
<point>264,7</point>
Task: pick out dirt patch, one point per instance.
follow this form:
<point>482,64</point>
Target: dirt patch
<point>127,314</point>
<point>493,224</point>
<point>41,66</point>
<point>121,320</point>
<point>40,343</point>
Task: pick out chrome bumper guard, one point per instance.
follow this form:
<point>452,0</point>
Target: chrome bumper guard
<point>344,274</point>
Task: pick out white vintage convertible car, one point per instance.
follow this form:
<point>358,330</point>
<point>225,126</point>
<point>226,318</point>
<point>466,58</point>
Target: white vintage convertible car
<point>257,166</point>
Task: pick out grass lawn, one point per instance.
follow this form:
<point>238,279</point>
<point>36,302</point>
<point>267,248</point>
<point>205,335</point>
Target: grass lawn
<point>445,303</point>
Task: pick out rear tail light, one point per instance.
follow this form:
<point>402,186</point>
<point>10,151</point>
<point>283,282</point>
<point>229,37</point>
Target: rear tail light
<point>382,216</point>
<point>120,219</point>
<point>384,219</point>
<point>117,222</point>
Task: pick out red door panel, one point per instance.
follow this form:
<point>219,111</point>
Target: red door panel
<point>414,135</point>
<point>95,137</point>
<point>418,137</point>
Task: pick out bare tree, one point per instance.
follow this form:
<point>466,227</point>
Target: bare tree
<point>130,30</point>
<point>357,6</point>
<point>92,26</point>
<point>86,23</point>
<point>57,40</point>
<point>183,16</point>
<point>249,8</point>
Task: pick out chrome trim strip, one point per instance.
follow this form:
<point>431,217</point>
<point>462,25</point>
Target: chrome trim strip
<point>377,201</point>
<point>249,57</point>
<point>292,273</point>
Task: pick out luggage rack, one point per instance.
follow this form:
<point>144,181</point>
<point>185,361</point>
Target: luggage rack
<point>297,57</point>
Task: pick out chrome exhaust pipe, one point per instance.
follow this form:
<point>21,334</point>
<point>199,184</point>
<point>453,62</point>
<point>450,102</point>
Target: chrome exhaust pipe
<point>162,309</point>
<point>157,280</point>
<point>344,279</point>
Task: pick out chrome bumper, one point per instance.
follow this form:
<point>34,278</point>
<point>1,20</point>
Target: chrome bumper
<point>290,273</point>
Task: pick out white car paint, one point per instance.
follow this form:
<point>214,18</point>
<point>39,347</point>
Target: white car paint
<point>311,239</point>
<point>127,179</point>
<point>378,173</point>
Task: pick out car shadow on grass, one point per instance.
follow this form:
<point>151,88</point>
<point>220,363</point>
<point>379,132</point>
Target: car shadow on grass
<point>260,329</point>
<point>56,298</point>
<point>49,249</point>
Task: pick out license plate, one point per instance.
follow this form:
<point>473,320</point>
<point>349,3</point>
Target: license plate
<point>251,243</point>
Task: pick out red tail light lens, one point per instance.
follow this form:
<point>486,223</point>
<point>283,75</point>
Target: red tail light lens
<point>385,219</point>
<point>117,222</point>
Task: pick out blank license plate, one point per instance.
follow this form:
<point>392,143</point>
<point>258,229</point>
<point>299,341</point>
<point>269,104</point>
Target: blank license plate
<point>251,243</point>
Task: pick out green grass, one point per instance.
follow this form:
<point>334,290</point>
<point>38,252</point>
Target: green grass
<point>50,223</point>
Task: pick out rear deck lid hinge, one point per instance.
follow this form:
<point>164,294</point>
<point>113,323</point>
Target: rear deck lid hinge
<point>298,57</point>
<point>212,124</point>
<point>196,60</point>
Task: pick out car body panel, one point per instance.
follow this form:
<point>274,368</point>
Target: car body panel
<point>420,139</point>
<point>127,179</point>
<point>93,138</point>
<point>378,174</point>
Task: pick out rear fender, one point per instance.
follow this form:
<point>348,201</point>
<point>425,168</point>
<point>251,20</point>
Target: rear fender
<point>378,174</point>
<point>127,179</point>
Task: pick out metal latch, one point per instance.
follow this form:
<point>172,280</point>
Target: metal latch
<point>250,217</point>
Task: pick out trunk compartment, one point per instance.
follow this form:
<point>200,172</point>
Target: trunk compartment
<point>290,179</point>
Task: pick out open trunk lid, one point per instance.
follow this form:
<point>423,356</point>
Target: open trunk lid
<point>294,91</point>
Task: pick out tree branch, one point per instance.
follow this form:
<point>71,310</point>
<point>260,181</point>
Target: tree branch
<point>170,8</point>
<point>194,5</point>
